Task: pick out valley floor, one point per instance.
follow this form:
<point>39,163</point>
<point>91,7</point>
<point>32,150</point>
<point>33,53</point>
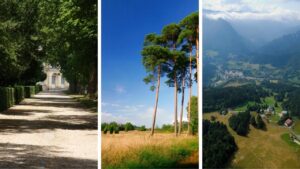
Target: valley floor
<point>262,149</point>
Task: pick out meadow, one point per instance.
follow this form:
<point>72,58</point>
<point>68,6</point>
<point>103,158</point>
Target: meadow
<point>262,149</point>
<point>137,149</point>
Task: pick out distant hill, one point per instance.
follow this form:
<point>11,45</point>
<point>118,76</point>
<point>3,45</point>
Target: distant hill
<point>281,52</point>
<point>219,36</point>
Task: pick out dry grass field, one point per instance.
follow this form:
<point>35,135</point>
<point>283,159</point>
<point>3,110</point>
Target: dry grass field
<point>262,149</point>
<point>137,149</point>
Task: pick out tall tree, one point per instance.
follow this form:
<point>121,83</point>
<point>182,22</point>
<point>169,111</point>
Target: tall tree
<point>189,36</point>
<point>19,42</point>
<point>154,59</point>
<point>69,33</point>
<point>183,80</point>
<point>171,33</point>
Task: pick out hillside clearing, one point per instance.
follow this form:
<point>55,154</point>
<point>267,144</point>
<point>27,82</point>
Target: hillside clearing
<point>261,149</point>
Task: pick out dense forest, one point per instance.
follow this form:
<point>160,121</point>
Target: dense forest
<point>218,145</point>
<point>227,97</point>
<point>62,33</point>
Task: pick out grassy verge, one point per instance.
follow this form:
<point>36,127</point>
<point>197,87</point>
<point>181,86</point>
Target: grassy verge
<point>86,102</point>
<point>158,156</point>
<point>286,138</point>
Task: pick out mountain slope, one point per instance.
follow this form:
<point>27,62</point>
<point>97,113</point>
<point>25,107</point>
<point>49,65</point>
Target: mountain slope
<point>281,52</point>
<point>220,36</point>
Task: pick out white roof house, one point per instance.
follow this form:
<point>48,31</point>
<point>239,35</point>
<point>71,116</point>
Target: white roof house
<point>54,80</point>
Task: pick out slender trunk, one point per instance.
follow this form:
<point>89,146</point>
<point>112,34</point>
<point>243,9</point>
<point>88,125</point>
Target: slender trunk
<point>190,94</point>
<point>197,60</point>
<point>182,104</point>
<point>156,101</point>
<point>175,105</point>
<point>92,86</point>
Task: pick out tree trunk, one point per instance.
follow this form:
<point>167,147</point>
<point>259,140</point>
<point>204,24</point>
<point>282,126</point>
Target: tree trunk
<point>175,105</point>
<point>182,104</point>
<point>156,101</point>
<point>190,95</point>
<point>197,61</point>
<point>93,83</point>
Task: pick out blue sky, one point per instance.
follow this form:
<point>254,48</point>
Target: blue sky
<point>276,10</point>
<point>125,97</point>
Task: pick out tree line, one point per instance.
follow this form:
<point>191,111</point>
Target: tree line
<point>228,97</point>
<point>61,33</point>
<point>173,54</point>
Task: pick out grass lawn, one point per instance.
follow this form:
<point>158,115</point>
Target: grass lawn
<point>137,149</point>
<point>296,127</point>
<point>261,149</point>
<point>287,139</point>
<point>86,102</point>
<point>244,106</point>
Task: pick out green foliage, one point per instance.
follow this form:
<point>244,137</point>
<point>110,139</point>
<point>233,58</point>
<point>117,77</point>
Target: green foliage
<point>194,115</point>
<point>129,126</point>
<point>260,124</point>
<point>29,91</point>
<point>154,156</point>
<point>19,42</point>
<point>105,129</point>
<point>253,121</point>
<point>218,145</point>
<point>240,123</point>
<point>228,97</point>
<point>68,31</point>
<point>19,94</point>
<point>142,128</point>
<point>292,102</point>
<point>116,129</point>
<point>7,98</point>
<point>111,129</point>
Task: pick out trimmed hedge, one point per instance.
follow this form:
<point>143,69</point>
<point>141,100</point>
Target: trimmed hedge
<point>29,91</point>
<point>19,94</point>
<point>38,88</point>
<point>7,97</point>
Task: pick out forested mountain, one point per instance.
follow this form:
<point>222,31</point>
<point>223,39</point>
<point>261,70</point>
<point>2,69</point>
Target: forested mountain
<point>284,51</point>
<point>219,36</point>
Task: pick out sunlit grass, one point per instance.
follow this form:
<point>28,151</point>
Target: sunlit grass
<point>139,150</point>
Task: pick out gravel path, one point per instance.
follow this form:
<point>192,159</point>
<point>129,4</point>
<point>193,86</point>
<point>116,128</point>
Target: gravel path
<point>49,130</point>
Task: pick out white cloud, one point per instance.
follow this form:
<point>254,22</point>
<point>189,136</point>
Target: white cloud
<point>252,10</point>
<point>138,115</point>
<point>120,89</point>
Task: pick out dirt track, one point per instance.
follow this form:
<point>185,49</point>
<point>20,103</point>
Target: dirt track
<point>49,130</point>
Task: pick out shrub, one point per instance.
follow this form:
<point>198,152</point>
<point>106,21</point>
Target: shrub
<point>29,91</point>
<point>111,129</point>
<point>218,145</point>
<point>38,88</point>
<point>142,128</point>
<point>116,129</point>
<point>129,126</point>
<point>105,130</point>
<point>7,98</point>
<point>240,123</point>
<point>19,94</point>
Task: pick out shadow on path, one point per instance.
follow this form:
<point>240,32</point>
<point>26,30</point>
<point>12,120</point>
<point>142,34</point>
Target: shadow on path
<point>30,156</point>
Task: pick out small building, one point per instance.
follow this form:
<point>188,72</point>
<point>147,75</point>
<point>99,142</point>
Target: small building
<point>283,112</point>
<point>270,110</point>
<point>288,122</point>
<point>54,79</point>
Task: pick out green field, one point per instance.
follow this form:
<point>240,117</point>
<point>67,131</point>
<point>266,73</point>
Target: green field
<point>137,149</point>
<point>262,149</point>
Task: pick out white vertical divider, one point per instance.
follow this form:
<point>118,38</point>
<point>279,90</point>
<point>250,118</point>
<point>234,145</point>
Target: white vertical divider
<point>200,80</point>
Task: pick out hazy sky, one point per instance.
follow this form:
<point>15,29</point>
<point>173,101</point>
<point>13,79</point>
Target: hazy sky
<point>277,10</point>
<point>125,97</point>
